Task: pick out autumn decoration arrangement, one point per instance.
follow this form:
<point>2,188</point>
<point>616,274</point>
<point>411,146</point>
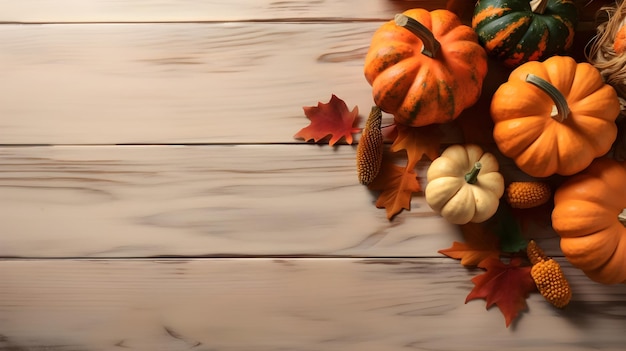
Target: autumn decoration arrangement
<point>558,119</point>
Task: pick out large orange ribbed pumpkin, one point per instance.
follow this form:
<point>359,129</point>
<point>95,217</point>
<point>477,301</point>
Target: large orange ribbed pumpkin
<point>425,67</point>
<point>554,116</point>
<point>586,215</point>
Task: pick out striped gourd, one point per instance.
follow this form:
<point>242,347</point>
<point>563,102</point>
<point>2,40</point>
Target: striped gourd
<point>518,31</point>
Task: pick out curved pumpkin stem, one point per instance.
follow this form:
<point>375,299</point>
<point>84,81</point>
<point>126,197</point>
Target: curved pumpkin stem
<point>539,6</point>
<point>622,217</point>
<point>472,176</point>
<point>560,110</point>
<point>430,46</point>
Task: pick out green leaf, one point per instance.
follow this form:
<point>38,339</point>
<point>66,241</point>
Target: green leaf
<point>508,229</point>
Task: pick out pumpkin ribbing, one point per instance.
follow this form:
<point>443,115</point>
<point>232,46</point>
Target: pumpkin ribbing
<point>586,214</point>
<point>414,87</point>
<point>525,127</point>
<point>464,184</point>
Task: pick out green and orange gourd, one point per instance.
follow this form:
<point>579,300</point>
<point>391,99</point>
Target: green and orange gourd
<point>518,31</point>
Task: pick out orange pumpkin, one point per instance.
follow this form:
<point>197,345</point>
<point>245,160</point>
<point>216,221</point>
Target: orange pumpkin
<point>554,116</point>
<point>586,215</point>
<point>614,29</point>
<point>425,67</point>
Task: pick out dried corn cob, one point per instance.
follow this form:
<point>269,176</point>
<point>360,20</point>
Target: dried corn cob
<point>548,277</point>
<point>369,152</point>
<point>527,194</point>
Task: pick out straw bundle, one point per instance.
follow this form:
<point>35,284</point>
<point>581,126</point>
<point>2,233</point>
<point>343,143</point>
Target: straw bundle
<point>601,50</point>
<point>605,51</point>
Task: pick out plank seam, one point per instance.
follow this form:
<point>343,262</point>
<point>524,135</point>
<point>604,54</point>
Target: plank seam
<point>294,20</point>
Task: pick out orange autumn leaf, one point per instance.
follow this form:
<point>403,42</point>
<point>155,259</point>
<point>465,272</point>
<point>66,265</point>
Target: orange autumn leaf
<point>332,119</point>
<point>396,185</point>
<point>479,244</point>
<point>505,285</point>
<point>418,142</point>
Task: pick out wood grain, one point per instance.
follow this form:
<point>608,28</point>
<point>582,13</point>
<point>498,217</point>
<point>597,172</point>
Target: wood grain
<point>42,11</point>
<point>137,201</point>
<point>152,196</point>
<point>183,82</point>
<point>175,83</point>
<point>294,304</point>
<point>37,11</point>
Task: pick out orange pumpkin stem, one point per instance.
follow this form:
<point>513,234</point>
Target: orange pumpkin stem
<point>472,176</point>
<point>430,46</point>
<point>539,6</point>
<point>560,102</point>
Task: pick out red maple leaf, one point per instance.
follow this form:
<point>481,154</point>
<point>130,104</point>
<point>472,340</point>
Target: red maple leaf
<point>331,119</point>
<point>479,245</point>
<point>396,185</point>
<point>505,285</point>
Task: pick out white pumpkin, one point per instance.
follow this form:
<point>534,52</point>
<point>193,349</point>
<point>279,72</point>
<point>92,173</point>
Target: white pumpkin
<point>464,184</point>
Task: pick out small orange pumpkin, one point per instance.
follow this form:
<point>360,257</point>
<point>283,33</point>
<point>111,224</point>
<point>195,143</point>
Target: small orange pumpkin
<point>554,116</point>
<point>587,210</point>
<point>425,67</point>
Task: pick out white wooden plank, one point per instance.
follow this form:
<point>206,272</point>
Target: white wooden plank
<point>175,83</point>
<point>72,11</point>
<point>138,201</point>
<point>180,83</point>
<point>295,304</point>
<point>128,201</point>
<point>195,10</point>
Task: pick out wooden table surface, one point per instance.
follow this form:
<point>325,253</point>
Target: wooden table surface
<point>153,196</point>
